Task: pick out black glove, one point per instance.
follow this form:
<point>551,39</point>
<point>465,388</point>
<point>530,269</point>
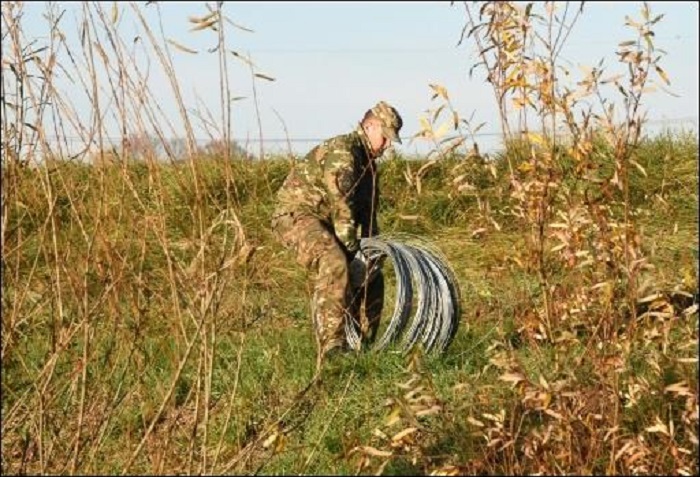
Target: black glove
<point>352,249</point>
<point>358,270</point>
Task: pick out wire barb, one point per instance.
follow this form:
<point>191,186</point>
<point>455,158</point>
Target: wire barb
<point>421,267</point>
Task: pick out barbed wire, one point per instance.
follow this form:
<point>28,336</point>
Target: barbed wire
<point>422,270</point>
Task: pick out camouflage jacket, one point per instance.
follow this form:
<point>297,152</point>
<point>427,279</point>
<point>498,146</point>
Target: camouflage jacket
<point>337,182</point>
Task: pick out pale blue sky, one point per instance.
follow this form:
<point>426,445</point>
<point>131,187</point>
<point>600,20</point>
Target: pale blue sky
<point>334,60</point>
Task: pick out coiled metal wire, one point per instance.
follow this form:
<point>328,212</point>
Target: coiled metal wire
<point>419,267</point>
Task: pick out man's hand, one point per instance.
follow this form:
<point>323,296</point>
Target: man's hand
<point>353,248</point>
<point>362,268</point>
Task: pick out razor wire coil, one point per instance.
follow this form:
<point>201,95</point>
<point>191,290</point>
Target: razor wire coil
<point>420,270</point>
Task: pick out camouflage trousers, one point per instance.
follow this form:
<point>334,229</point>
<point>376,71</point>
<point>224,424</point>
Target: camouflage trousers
<point>319,251</point>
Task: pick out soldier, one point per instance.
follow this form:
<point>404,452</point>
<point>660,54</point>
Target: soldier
<point>322,205</point>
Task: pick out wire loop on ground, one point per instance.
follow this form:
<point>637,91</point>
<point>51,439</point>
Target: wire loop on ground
<point>420,269</point>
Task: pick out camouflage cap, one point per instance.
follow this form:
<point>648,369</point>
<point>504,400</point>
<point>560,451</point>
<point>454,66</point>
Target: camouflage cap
<point>390,119</point>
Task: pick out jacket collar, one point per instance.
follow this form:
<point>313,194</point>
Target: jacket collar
<point>364,141</point>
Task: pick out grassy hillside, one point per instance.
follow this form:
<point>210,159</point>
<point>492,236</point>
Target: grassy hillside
<point>150,324</point>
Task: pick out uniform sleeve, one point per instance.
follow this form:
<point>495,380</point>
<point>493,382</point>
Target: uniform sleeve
<point>339,179</point>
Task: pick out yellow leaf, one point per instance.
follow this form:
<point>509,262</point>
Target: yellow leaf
<point>663,75</point>
<point>181,47</point>
<point>475,422</point>
<point>652,297</point>
<point>536,138</point>
<point>556,248</point>
<point>600,285</point>
<point>680,388</point>
<point>658,427</point>
<point>447,470</point>
<point>204,24</point>
<point>413,392</point>
<point>375,452</point>
<point>459,178</point>
<point>394,417</point>
<point>519,103</point>
<point>432,410</point>
<point>478,231</point>
<point>690,310</point>
<point>525,167</point>
<point>270,440</point>
<point>281,443</point>
<point>404,433</point>
<point>639,167</point>
<point>514,378</point>
<point>440,90</point>
<point>510,79</point>
<point>407,385</point>
<point>610,432</point>
<point>205,18</point>
<point>495,417</point>
<point>629,21</point>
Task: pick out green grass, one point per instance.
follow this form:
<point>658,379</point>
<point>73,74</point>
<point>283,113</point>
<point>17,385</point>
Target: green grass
<point>125,260</point>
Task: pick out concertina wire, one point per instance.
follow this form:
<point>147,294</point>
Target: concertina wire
<point>419,269</point>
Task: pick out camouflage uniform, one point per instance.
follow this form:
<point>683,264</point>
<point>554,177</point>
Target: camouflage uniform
<point>323,203</point>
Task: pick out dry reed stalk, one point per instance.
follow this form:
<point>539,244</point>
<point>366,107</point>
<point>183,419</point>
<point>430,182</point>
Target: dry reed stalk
<point>165,400</point>
<point>130,92</point>
<point>328,424</point>
<point>231,400</point>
